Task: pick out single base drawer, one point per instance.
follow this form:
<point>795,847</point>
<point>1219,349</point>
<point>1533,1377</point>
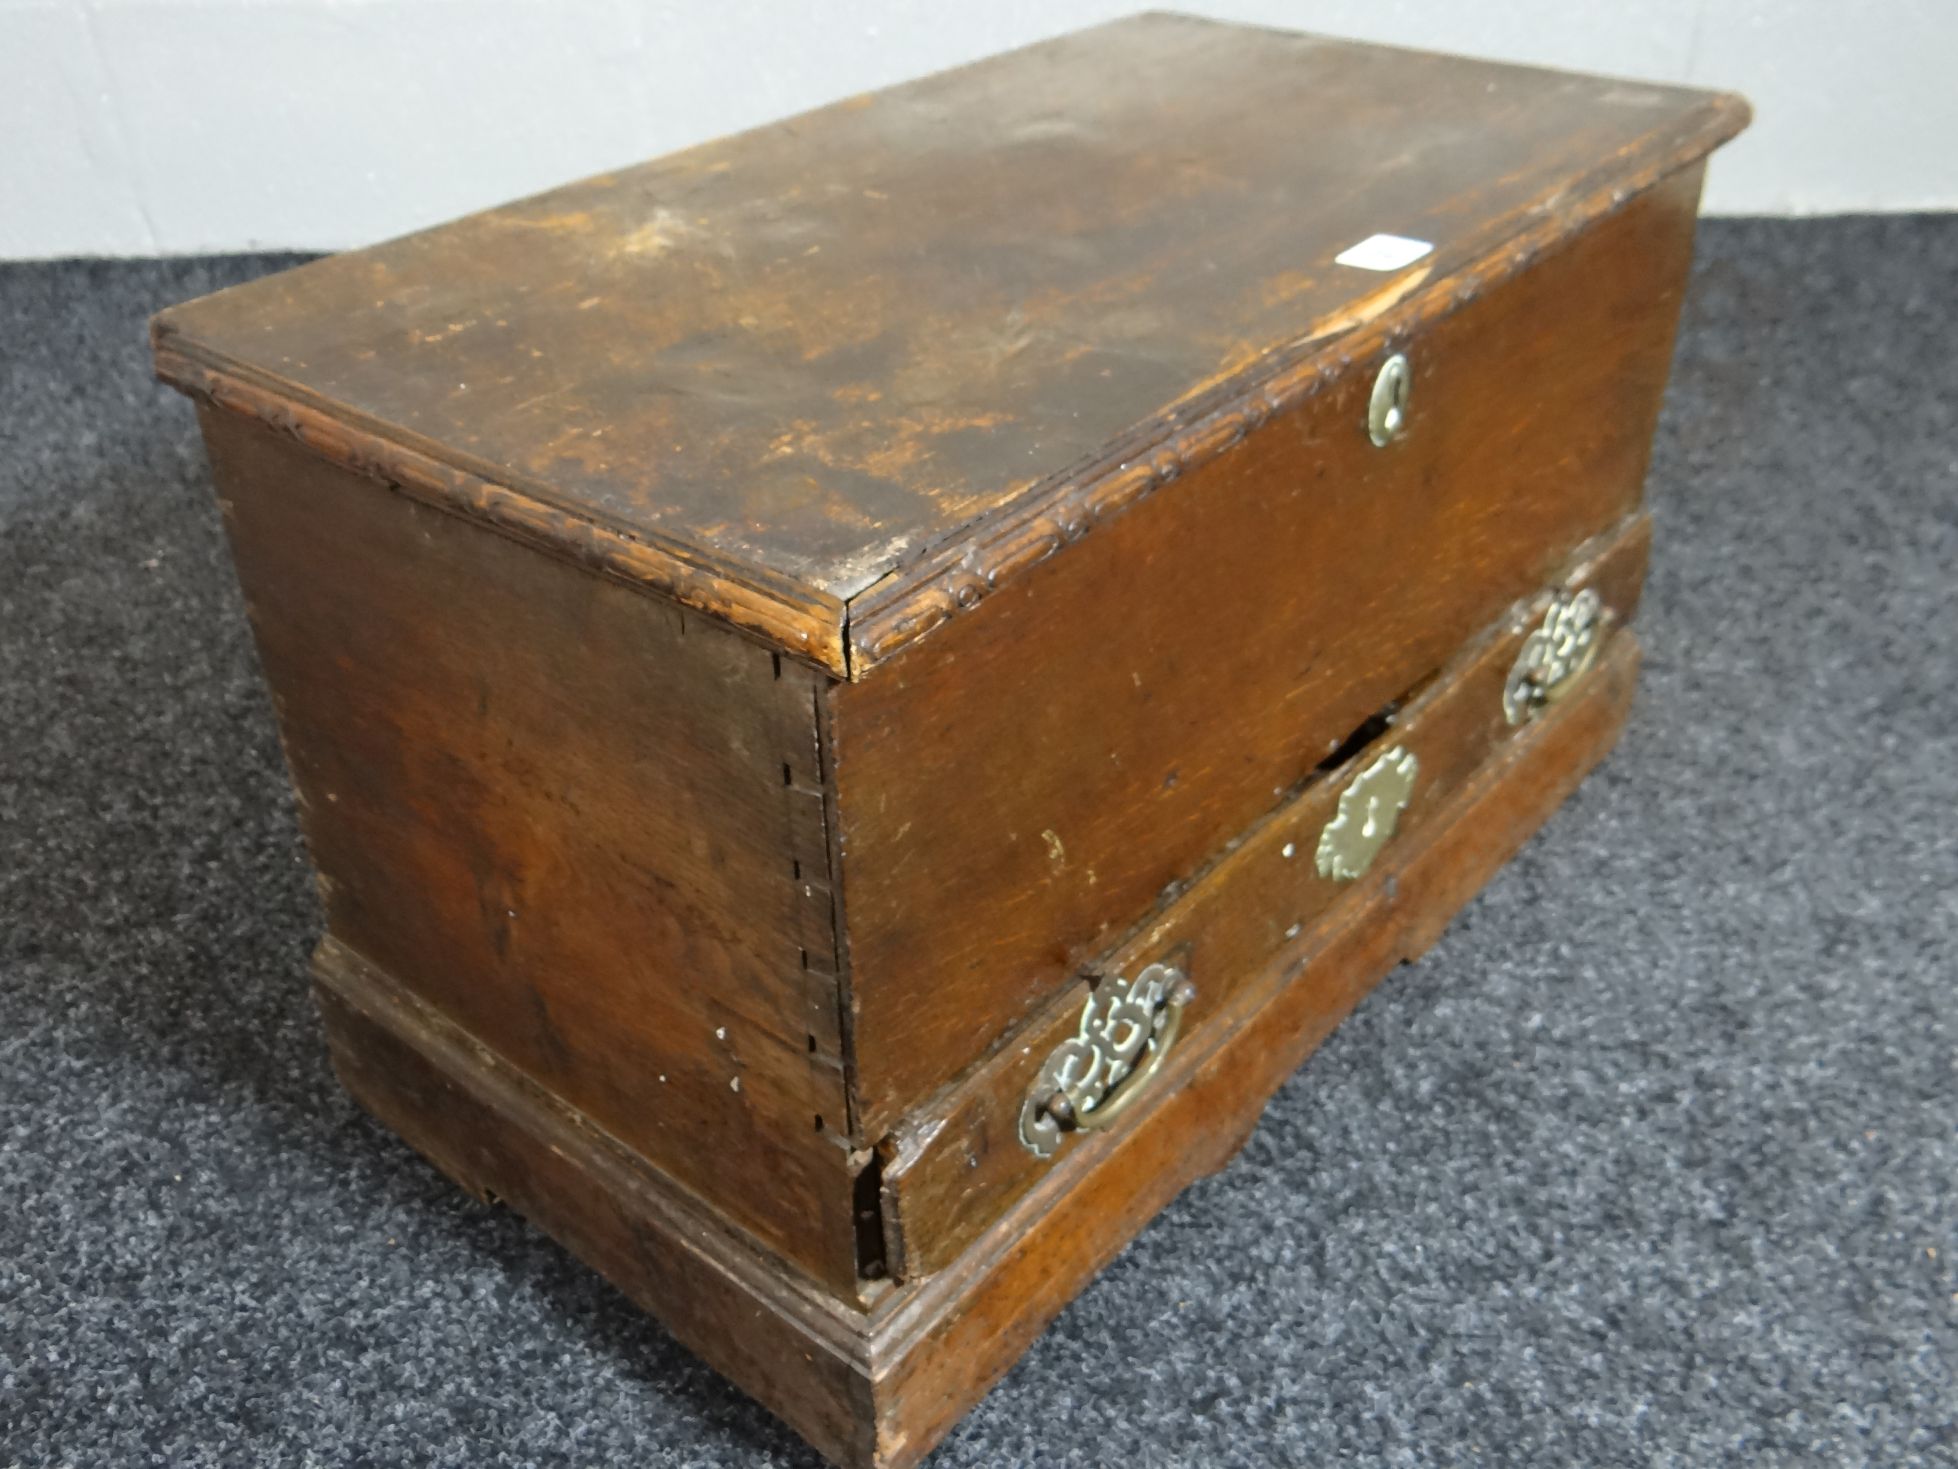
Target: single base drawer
<point>878,1389</point>
<point>957,1164</point>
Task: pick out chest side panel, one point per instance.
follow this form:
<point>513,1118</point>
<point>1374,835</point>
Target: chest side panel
<point>583,825</point>
<point>1021,785</point>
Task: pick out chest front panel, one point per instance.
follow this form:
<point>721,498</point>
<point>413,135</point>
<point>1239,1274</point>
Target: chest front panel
<point>1017,788</point>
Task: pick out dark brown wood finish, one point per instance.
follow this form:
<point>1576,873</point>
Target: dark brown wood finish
<point>757,634</point>
<point>954,1167</point>
<point>769,373</point>
<point>878,1391</point>
<point>942,1345</point>
<point>1016,789</point>
<point>586,825</point>
<point>504,1138</point>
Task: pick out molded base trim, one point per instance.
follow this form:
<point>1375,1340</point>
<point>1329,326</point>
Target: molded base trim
<point>878,1389</point>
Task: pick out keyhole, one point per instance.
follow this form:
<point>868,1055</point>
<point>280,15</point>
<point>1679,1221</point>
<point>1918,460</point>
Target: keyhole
<point>1387,407</point>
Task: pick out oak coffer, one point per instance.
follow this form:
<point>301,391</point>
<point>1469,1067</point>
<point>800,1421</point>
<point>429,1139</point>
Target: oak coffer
<point>863,693</point>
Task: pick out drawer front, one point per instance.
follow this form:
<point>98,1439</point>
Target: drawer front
<point>1013,790</point>
<point>1267,900</point>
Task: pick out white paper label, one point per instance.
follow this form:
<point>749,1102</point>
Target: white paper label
<point>1383,252</point>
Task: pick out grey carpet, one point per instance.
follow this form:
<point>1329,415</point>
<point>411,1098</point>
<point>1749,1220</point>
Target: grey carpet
<point>1652,1161</point>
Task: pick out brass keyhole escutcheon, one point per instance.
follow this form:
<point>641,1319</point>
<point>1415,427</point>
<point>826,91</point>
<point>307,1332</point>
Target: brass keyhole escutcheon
<point>1369,812</point>
<point>1387,408</point>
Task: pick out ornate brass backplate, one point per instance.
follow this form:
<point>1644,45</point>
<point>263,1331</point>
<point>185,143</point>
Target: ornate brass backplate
<point>1369,810</point>
<point>1556,655</point>
<point>1077,1088</point>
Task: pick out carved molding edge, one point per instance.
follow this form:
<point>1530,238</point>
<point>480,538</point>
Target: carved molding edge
<point>889,617</point>
<point>846,639</point>
<point>683,1223</point>
<point>800,626</point>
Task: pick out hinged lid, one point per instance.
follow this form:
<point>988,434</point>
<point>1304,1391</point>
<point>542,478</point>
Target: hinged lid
<point>835,377</point>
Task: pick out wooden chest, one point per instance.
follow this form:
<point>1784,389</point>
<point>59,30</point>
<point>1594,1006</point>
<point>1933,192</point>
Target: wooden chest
<point>862,694</point>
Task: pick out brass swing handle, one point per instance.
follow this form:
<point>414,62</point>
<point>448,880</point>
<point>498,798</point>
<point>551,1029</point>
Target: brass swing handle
<point>1555,657</point>
<point>1108,1111</point>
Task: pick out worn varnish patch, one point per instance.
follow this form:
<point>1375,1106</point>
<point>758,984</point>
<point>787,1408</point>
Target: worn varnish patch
<point>1023,438</point>
<point>774,370</point>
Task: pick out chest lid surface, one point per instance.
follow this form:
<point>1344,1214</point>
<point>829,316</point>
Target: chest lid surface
<point>789,376</point>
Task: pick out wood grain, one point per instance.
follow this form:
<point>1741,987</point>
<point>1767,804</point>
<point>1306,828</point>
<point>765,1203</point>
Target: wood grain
<point>1018,788</point>
<point>582,824</point>
<point>757,633</point>
<point>955,1166</point>
<point>942,1345</point>
<point>504,1139</point>
<point>769,373</point>
<point>878,1390</point>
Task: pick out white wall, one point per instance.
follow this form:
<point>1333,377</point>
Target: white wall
<point>172,126</point>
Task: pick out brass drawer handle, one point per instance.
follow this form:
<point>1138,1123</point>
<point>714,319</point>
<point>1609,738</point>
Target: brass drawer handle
<point>1555,656</point>
<point>1092,1079</point>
